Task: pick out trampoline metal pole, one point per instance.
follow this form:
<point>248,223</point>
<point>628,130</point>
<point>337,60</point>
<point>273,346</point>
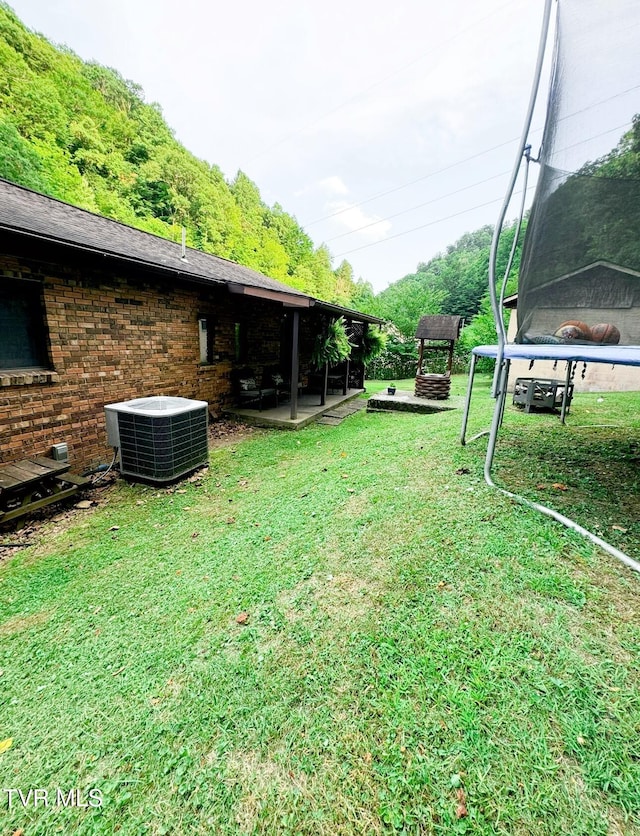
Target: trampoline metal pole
<point>493,253</point>
<point>565,394</point>
<point>498,412</point>
<point>467,403</point>
<point>507,367</point>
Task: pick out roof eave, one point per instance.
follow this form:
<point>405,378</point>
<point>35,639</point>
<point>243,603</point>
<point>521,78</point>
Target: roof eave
<point>138,262</point>
<point>288,297</point>
<point>290,300</point>
<point>349,313</point>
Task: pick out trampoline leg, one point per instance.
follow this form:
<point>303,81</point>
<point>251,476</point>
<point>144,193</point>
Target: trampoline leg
<point>467,403</point>
<point>498,412</point>
<point>565,394</point>
<point>495,382</point>
<point>503,385</point>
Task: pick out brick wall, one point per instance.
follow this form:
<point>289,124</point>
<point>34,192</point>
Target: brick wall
<point>116,336</point>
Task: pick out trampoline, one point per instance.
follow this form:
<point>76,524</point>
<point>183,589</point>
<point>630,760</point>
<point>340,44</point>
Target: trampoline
<point>579,277</point>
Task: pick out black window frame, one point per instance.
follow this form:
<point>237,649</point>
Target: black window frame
<point>240,342</point>
<point>24,333</point>
<point>208,356</point>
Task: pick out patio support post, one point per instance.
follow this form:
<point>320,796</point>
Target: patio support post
<point>325,383</point>
<point>295,363</point>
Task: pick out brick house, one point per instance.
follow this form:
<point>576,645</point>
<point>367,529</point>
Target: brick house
<point>95,312</point>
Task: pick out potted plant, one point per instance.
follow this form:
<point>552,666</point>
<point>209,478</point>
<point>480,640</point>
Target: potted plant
<point>371,344</point>
<point>391,389</point>
<point>331,346</point>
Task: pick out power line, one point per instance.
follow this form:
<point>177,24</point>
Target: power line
<point>466,160</point>
<point>456,214</point>
<point>423,226</point>
<point>417,180</point>
<point>418,206</point>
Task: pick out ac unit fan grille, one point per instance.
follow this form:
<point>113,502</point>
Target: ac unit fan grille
<point>165,447</point>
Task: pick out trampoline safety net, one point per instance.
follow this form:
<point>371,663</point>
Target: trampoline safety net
<point>580,269</point>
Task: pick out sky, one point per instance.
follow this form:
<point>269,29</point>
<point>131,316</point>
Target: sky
<point>387,129</point>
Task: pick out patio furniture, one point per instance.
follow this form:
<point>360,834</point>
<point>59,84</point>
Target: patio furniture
<point>331,379</point>
<point>33,483</point>
<point>273,377</point>
<point>535,393</point>
<point>337,379</point>
<point>250,393</point>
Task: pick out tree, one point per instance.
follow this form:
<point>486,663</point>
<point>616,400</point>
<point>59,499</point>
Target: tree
<point>19,162</point>
<point>82,133</point>
<point>344,284</point>
<point>364,298</point>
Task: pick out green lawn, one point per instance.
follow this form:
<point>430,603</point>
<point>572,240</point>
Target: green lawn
<point>419,654</point>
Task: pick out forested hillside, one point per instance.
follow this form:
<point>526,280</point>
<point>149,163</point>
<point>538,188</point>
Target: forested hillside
<point>453,282</point>
<point>80,132</point>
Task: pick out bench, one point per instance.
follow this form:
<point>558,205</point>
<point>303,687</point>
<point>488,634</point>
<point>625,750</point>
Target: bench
<point>33,483</point>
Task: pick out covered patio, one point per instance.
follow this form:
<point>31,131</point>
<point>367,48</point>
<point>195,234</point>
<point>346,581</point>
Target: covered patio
<point>308,409</point>
<point>275,378</point>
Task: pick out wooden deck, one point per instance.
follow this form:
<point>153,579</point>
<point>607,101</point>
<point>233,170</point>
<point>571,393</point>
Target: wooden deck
<point>30,484</point>
<point>309,410</point>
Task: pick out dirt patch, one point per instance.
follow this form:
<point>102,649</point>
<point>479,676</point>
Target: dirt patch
<point>260,779</point>
<point>343,597</point>
<point>57,518</point>
<point>222,433</point>
<point>619,589</point>
<point>356,506</point>
<point>20,623</point>
<point>618,826</point>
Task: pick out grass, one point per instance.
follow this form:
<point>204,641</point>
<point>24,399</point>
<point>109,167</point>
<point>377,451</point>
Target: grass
<point>419,655</point>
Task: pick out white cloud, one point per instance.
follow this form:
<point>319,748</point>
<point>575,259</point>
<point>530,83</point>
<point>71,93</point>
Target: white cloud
<point>333,185</point>
<point>329,186</point>
<point>371,227</point>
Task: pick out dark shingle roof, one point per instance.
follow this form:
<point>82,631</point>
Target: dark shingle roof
<point>28,212</point>
<point>439,327</point>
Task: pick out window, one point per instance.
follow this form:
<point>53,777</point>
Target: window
<point>240,342</point>
<point>23,330</point>
<point>206,332</point>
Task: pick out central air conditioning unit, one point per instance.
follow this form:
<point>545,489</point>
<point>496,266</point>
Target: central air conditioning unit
<point>158,438</point>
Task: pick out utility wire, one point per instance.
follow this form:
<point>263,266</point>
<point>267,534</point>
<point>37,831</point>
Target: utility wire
<point>423,226</point>
<point>412,182</point>
<point>449,194</point>
<point>418,206</point>
<point>466,160</point>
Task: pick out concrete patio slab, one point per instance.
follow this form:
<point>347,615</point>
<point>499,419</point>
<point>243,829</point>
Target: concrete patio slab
<point>405,401</point>
<point>309,410</point>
